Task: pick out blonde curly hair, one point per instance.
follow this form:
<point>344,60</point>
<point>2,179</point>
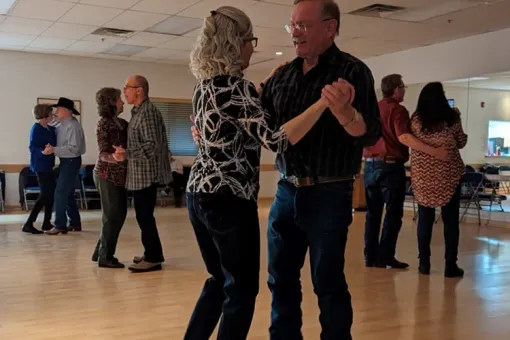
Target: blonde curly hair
<point>218,47</point>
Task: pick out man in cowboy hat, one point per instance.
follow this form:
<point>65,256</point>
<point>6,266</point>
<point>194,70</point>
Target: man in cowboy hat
<point>70,147</point>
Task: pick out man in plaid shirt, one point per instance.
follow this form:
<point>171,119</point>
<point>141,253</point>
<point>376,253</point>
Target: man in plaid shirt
<point>148,167</point>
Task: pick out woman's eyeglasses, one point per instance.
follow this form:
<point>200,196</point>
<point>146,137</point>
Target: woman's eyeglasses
<point>254,41</point>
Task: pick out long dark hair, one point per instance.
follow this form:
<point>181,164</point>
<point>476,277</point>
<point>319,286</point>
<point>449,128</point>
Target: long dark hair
<point>106,100</point>
<point>433,109</point>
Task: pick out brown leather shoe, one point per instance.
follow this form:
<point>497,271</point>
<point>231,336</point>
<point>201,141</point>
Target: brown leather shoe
<point>74,228</point>
<point>56,231</point>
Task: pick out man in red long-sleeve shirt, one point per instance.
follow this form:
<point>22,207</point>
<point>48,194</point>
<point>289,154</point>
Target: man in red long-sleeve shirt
<point>385,175</point>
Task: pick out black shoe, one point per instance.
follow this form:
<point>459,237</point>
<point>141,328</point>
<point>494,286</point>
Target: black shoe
<point>396,264</point>
<point>47,226</point>
<point>393,263</point>
<point>424,268</point>
<point>369,262</point>
<point>95,256</point>
<point>452,270</point>
<point>111,264</point>
<point>30,229</point>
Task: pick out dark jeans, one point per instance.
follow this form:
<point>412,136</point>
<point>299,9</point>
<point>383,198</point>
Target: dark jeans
<point>228,234</point>
<point>316,218</point>
<point>145,201</point>
<point>450,215</point>
<point>384,184</point>
<point>114,206</point>
<point>68,181</point>
<point>47,185</point>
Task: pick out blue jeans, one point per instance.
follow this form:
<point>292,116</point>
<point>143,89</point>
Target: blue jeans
<point>385,183</point>
<point>65,202</point>
<point>228,234</point>
<point>316,218</point>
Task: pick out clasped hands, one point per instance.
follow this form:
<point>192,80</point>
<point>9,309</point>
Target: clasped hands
<point>338,97</point>
<point>120,154</point>
<point>48,150</point>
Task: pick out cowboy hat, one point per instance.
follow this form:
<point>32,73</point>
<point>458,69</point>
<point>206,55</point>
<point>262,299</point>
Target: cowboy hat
<point>66,103</point>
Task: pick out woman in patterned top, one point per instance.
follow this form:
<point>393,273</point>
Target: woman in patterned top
<point>109,175</point>
<point>436,183</point>
<point>224,181</point>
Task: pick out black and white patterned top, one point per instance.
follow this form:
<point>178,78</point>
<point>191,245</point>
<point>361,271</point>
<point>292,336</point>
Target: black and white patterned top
<point>233,126</point>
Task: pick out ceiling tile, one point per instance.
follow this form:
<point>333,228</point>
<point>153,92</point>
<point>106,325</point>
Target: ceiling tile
<point>15,40</point>
<point>122,4</point>
<point>51,43</point>
<point>181,56</point>
<point>180,43</point>
<point>24,26</point>
<point>103,38</point>
<point>148,39</point>
<point>163,6</point>
<point>90,15</point>
<point>41,9</point>
<point>155,53</point>
<point>272,36</point>
<point>193,33</point>
<point>269,15</point>
<point>89,47</point>
<point>41,50</point>
<point>204,8</point>
<point>125,50</point>
<point>136,21</point>
<point>77,53</point>
<point>68,31</point>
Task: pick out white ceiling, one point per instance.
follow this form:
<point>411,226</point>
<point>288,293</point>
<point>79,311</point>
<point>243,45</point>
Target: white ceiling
<point>495,81</point>
<point>65,26</point>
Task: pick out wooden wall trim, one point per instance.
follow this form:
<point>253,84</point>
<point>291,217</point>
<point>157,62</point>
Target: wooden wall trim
<point>171,100</point>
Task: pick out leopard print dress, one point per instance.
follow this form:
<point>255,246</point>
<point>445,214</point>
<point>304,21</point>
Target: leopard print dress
<point>434,181</point>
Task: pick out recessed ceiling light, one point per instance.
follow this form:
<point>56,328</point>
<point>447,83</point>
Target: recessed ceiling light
<point>279,53</point>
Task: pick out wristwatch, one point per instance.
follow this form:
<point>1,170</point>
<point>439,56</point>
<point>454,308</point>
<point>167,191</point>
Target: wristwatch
<point>355,118</point>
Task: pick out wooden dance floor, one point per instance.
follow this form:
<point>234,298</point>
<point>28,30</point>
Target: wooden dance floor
<point>49,288</point>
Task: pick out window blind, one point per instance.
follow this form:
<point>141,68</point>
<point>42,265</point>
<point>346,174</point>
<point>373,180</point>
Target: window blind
<point>178,127</point>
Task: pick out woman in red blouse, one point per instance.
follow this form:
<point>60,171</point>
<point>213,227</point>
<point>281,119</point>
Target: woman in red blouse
<point>436,183</point>
<point>110,175</point>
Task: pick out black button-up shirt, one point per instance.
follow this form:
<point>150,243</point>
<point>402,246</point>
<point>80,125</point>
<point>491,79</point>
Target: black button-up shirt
<point>327,149</point>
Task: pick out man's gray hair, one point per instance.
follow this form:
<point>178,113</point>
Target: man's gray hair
<point>330,10</point>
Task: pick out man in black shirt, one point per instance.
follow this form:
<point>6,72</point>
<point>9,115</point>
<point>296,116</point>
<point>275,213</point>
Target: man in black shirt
<point>313,204</point>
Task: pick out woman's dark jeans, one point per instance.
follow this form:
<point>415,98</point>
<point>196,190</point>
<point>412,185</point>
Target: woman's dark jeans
<point>227,232</point>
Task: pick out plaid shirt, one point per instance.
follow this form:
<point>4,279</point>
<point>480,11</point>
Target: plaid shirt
<point>147,148</point>
<point>327,149</point>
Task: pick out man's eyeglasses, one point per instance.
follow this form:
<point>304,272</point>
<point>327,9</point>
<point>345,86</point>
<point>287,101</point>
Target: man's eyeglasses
<point>300,27</point>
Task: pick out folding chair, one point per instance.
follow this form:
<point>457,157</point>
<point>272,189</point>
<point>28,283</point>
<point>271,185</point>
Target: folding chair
<point>30,186</point>
<point>88,186</point>
<point>472,185</point>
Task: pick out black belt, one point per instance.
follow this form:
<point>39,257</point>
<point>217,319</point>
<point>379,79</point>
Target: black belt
<point>309,181</point>
<point>390,160</point>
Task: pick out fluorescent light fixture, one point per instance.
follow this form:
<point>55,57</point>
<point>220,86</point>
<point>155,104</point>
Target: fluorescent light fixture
<point>125,50</point>
<point>6,5</point>
<point>279,53</point>
<point>176,25</point>
<point>465,80</point>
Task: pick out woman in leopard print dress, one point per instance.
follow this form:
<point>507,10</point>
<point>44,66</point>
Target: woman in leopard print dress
<point>436,183</point>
